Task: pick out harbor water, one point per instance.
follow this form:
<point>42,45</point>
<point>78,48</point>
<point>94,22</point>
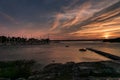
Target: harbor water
<point>62,52</point>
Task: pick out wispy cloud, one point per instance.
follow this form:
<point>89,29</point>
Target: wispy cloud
<point>70,15</point>
<point>62,19</point>
<point>88,18</point>
<point>8,17</point>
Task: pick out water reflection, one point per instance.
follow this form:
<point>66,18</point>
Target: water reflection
<point>58,52</point>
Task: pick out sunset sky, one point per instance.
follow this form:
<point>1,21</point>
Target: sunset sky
<point>60,19</point>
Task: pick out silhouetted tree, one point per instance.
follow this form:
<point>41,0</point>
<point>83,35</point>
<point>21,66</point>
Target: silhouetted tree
<point>3,39</point>
<point>19,40</point>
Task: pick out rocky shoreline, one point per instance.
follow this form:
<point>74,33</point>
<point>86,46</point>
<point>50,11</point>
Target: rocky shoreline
<point>103,70</point>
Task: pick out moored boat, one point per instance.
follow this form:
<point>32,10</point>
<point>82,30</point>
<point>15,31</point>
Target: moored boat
<point>83,49</point>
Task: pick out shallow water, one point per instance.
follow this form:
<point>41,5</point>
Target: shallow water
<point>58,52</point>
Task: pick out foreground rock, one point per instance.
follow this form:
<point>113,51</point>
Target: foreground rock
<point>104,70</point>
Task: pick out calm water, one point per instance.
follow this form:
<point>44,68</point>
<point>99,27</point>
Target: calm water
<point>57,51</point>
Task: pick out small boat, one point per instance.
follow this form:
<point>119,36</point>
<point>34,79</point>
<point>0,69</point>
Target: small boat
<point>66,46</point>
<point>83,49</point>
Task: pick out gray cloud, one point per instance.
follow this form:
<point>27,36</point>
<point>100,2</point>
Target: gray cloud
<point>98,17</point>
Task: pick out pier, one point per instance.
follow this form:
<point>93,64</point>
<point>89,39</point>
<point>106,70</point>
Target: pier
<point>108,55</point>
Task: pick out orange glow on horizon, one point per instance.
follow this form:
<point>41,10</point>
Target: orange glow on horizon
<point>107,36</point>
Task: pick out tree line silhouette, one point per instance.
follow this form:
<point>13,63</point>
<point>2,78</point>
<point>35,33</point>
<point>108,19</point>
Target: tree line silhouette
<point>112,40</point>
<point>20,40</point>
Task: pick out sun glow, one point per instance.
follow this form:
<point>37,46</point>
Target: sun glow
<point>106,36</point>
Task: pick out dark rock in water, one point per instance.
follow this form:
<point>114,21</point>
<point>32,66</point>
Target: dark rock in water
<point>66,46</point>
<point>82,50</point>
<point>53,61</point>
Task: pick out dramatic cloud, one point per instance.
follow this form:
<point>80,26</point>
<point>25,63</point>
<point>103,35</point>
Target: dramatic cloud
<point>88,19</point>
<point>61,19</point>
